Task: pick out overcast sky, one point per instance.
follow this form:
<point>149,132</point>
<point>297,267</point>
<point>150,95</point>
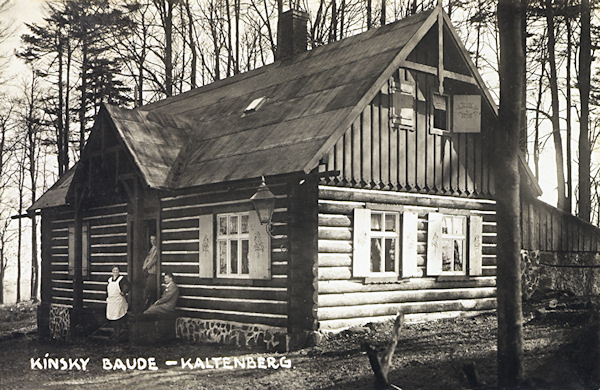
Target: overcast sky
<point>22,11</point>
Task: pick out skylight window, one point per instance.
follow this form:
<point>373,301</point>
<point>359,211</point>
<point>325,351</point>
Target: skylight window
<point>255,105</point>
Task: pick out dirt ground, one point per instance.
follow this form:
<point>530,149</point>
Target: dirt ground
<point>561,352</point>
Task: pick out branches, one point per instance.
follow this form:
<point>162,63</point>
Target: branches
<point>381,362</point>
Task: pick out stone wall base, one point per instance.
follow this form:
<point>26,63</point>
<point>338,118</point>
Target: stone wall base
<point>227,332</point>
<point>60,323</point>
<point>577,273</point>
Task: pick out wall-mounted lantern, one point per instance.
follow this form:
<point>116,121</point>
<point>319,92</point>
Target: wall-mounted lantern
<point>264,204</point>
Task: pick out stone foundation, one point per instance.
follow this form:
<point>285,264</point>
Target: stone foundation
<point>60,322</point>
<point>577,273</point>
<point>226,332</point>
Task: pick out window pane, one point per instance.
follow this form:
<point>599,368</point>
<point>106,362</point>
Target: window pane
<point>233,224</point>
<point>376,222</point>
<point>458,255</point>
<point>222,225</point>
<point>245,265</point>
<point>375,254</point>
<point>446,225</point>
<point>244,224</point>
<point>390,222</point>
<point>390,254</point>
<point>459,226</point>
<point>222,257</point>
<point>447,255</point>
<point>234,256</point>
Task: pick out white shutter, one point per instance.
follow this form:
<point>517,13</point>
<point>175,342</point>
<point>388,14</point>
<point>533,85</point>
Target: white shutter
<point>409,245</point>
<point>475,241</point>
<point>361,244</point>
<point>71,250</point>
<point>206,246</point>
<point>85,252</point>
<point>434,244</point>
<point>259,248</point>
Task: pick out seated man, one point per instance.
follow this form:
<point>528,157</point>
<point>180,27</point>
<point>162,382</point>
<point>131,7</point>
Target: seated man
<point>166,304</point>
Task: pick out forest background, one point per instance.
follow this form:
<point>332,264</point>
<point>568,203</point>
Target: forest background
<point>59,59</point>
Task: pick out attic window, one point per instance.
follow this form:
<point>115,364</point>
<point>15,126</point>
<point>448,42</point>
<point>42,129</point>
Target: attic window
<point>254,105</point>
<point>440,117</point>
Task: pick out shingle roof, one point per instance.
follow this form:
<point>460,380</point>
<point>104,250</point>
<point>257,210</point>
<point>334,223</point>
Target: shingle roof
<point>306,100</point>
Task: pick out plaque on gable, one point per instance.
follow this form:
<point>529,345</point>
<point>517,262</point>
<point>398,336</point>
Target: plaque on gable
<point>467,114</point>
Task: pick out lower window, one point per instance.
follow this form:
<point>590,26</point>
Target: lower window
<point>454,242</point>
<point>384,241</point>
<point>233,245</point>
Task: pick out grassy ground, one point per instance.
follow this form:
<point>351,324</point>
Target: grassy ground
<point>558,342</point>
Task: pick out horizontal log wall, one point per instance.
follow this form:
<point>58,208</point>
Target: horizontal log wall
<point>344,300</point>
<point>240,300</point>
<point>108,248</point>
<point>548,229</point>
<point>61,281</point>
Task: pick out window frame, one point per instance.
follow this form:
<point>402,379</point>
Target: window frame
<point>472,248</point>
<point>383,235</point>
<point>464,237</point>
<point>228,238</point>
<point>432,113</point>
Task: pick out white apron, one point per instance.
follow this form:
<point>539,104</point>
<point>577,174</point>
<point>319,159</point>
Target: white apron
<point>116,304</point>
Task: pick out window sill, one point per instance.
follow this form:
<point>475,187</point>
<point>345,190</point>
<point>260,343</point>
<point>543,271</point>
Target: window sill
<point>452,278</point>
<point>381,279</point>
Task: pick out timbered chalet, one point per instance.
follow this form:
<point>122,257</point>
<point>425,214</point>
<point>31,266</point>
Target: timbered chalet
<point>379,152</point>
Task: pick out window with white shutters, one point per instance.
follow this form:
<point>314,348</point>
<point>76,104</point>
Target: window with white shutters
<point>454,244</point>
<point>384,244</point>
<point>234,245</point>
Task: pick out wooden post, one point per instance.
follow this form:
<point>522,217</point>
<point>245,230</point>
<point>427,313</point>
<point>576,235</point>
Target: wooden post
<point>43,315</point>
<point>303,266</point>
<point>77,314</point>
<point>138,249</point>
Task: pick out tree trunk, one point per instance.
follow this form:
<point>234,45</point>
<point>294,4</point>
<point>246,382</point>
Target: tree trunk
<point>333,28</point>
<point>510,316</point>
<point>82,108</point>
<point>67,117</point>
<point>585,61</point>
<point>193,48</point>
<point>536,141</point>
<point>560,167</point>
<point>62,167</point>
<point>569,192</point>
<point>369,15</point>
<point>523,132</point>
<point>32,135</point>
<point>236,67</point>
<point>21,186</point>
<point>229,44</point>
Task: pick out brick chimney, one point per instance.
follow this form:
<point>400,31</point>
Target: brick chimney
<point>292,37</point>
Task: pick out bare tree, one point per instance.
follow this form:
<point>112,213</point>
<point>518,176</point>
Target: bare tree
<point>30,124</point>
<point>553,79</point>
<point>585,62</point>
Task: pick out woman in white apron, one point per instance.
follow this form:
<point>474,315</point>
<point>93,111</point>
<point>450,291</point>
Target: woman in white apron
<point>116,304</point>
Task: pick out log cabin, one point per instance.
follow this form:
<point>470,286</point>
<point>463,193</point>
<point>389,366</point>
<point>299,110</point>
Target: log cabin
<point>377,154</point>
